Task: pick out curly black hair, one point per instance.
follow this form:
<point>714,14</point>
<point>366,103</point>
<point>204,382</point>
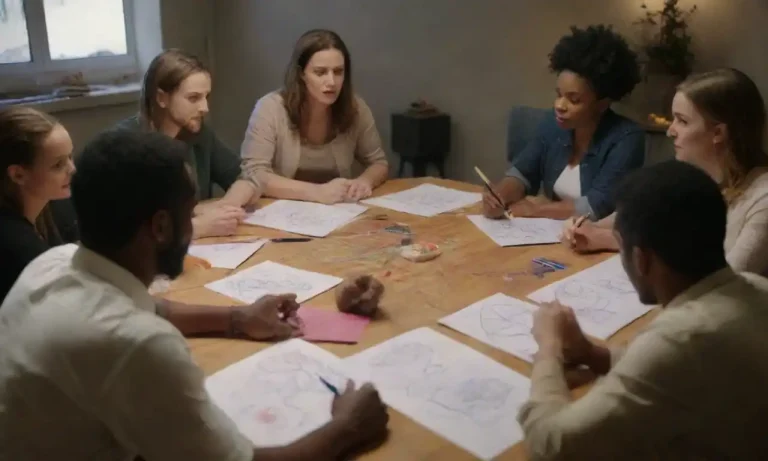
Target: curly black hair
<point>602,57</point>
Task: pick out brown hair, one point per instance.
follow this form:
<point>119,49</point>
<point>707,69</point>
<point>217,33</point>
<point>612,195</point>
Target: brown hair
<point>23,130</point>
<point>344,110</point>
<point>730,97</point>
<point>166,72</point>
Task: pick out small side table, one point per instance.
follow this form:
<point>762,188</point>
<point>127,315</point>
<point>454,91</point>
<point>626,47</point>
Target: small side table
<point>421,140</point>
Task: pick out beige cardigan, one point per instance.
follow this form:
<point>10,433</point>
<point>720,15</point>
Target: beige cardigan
<point>271,146</point>
<point>746,237</point>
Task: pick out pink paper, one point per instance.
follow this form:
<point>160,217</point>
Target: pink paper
<point>322,325</point>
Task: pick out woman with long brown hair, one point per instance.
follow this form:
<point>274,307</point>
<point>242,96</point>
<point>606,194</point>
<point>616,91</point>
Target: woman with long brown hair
<point>302,141</point>
<point>35,168</point>
<point>719,126</point>
<point>174,101</point>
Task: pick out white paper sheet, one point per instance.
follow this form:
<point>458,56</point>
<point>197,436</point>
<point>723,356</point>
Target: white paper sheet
<point>275,396</point>
<point>500,321</point>
<point>519,231</point>
<point>314,219</point>
<point>602,297</point>
<point>226,255</point>
<point>272,278</point>
<point>450,388</point>
<point>426,200</point>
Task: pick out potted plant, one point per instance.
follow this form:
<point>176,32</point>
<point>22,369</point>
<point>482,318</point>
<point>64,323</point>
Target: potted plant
<point>667,49</point>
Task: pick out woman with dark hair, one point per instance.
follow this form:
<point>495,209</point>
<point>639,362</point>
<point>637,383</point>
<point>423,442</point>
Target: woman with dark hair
<point>35,169</point>
<point>174,101</point>
<point>719,126</point>
<point>302,141</point>
<point>583,148</point>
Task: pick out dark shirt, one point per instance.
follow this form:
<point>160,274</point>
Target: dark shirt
<point>20,243</point>
<point>212,161</point>
<point>617,148</point>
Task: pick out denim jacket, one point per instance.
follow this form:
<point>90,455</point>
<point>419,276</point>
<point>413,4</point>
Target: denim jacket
<point>617,148</point>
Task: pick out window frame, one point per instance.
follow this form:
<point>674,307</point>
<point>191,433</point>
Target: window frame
<point>43,73</point>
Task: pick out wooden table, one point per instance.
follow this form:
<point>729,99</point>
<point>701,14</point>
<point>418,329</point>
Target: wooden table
<point>472,267</point>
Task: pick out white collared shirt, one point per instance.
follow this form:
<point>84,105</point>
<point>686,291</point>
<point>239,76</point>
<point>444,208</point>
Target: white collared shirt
<point>89,371</point>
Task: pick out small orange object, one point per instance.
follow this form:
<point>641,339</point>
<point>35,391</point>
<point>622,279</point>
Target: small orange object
<point>193,261</point>
<point>420,252</point>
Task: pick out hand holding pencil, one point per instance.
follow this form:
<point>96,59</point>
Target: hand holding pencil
<point>493,204</point>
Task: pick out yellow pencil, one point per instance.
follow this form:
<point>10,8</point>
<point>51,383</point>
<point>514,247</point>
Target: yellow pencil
<point>490,189</point>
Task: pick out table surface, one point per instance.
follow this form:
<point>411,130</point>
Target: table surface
<point>471,267</point>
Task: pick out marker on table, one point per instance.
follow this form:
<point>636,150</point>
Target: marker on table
<point>490,189</point>
<point>551,264</point>
<point>290,239</point>
<point>330,386</point>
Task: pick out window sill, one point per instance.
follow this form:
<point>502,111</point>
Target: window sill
<point>110,96</point>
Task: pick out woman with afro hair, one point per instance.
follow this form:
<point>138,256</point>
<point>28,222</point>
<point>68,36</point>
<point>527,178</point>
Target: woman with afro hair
<point>583,148</point>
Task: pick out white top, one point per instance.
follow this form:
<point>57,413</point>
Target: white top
<point>568,184</point>
<point>746,237</point>
<point>89,371</point>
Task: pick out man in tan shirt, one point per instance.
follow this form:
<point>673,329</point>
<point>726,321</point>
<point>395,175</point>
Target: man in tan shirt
<point>693,384</point>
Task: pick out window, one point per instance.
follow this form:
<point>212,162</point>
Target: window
<point>43,42</point>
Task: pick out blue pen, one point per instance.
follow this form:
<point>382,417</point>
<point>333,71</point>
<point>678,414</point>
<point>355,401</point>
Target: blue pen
<point>554,263</point>
<point>548,264</point>
<point>330,386</point>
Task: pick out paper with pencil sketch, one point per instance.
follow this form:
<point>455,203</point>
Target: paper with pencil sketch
<point>500,321</point>
<point>226,255</point>
<point>313,219</point>
<point>426,200</point>
<point>270,278</point>
<point>602,297</point>
<point>275,396</point>
<point>519,231</point>
<point>448,387</point>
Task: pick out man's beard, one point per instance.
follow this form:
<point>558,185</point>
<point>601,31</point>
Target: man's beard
<point>191,125</point>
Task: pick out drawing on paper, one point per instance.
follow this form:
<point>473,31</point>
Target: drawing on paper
<point>434,199</point>
<point>253,288</point>
<point>481,400</point>
<point>304,218</point>
<point>411,359</point>
<point>509,229</point>
<point>285,384</point>
<point>618,286</point>
<point>505,320</point>
<point>426,200</point>
<point>586,302</point>
<point>299,219</point>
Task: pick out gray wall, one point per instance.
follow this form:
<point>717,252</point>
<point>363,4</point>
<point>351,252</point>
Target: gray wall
<point>474,59</point>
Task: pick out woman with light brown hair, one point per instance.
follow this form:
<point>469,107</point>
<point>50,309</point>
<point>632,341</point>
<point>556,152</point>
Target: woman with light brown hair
<point>302,141</point>
<point>35,168</point>
<point>719,125</point>
<point>174,101</point>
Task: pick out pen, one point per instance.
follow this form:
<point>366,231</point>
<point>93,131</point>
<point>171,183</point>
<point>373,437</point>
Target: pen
<point>290,239</point>
<point>490,189</point>
<point>330,386</point>
<point>548,263</point>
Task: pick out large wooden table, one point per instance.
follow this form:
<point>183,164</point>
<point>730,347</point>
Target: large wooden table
<point>471,268</point>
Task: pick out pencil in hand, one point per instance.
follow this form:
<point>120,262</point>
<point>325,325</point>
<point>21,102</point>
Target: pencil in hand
<point>493,193</point>
<point>581,220</point>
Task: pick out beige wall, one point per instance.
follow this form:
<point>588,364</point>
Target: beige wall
<point>84,124</point>
<point>474,59</point>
